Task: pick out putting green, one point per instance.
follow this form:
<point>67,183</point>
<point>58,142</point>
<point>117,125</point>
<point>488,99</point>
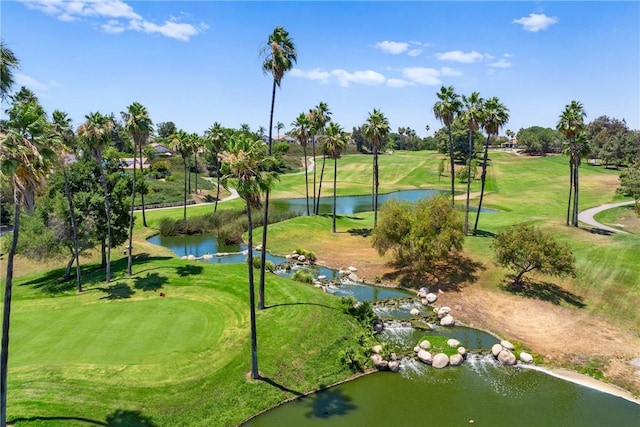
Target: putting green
<point>154,339</point>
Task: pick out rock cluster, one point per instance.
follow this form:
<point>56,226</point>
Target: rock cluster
<point>503,352</point>
<point>381,364</point>
<point>440,360</point>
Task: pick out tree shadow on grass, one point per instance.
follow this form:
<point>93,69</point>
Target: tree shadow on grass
<point>364,232</point>
<point>33,419</point>
<point>484,233</point>
<point>450,275</point>
<point>544,291</point>
<point>279,386</point>
<point>300,303</point>
<point>329,403</point>
<point>125,418</point>
<point>188,270</point>
<point>117,291</point>
<point>151,282</point>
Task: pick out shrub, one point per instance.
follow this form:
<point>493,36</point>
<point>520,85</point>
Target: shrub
<point>303,275</point>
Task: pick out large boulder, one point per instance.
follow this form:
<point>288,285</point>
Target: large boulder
<point>414,312</point>
<point>353,277</point>
<point>379,362</point>
<point>378,326</point>
<point>455,359</point>
<point>377,349</point>
<point>394,365</point>
<point>440,361</point>
<point>431,298</point>
<point>443,311</point>
<point>453,343</point>
<point>496,349</point>
<point>526,357</point>
<point>447,320</point>
<point>424,356</point>
<point>352,269</point>
<point>507,358</point>
<point>506,344</point>
<point>462,351</point>
<point>424,301</point>
<point>424,344</point>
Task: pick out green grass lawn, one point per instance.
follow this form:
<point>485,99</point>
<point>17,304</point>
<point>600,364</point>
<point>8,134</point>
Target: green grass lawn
<point>122,352</point>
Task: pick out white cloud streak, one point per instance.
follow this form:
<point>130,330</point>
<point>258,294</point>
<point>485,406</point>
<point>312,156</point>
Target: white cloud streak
<point>536,22</point>
<point>394,48</point>
<point>399,83</point>
<point>117,15</point>
<point>33,84</point>
<point>460,56</point>
<point>501,63</point>
<point>343,77</point>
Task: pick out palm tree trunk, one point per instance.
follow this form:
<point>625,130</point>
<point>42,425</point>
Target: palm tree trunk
<point>453,166</point>
<point>252,308</point>
<point>107,207</point>
<point>144,218</point>
<point>335,176</point>
<point>570,189</point>
<point>376,184</point>
<point>215,207</point>
<point>184,206</point>
<point>306,176</point>
<point>483,179</point>
<point>466,212</point>
<point>575,194</point>
<point>6,312</point>
<point>265,220</point>
<point>189,171</point>
<point>195,181</point>
<point>103,253</point>
<point>133,200</point>
<point>324,158</point>
<point>313,146</point>
<point>74,227</point>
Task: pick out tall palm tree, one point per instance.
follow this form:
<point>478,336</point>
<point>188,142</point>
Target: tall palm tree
<point>216,138</point>
<point>181,142</point>
<point>244,161</point>
<point>279,56</point>
<point>196,144</point>
<point>496,115</point>
<point>320,116</point>
<point>570,125</point>
<point>138,124</point>
<point>333,142</point>
<point>279,127</point>
<point>95,132</point>
<point>62,129</point>
<point>8,63</point>
<point>446,110</point>
<point>27,153</point>
<point>301,129</point>
<point>375,130</point>
<point>472,114</point>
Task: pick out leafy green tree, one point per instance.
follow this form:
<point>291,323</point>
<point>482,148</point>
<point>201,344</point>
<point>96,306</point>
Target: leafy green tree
<point>166,129</point>
<point>216,138</point>
<point>139,125</point>
<point>375,130</point>
<point>538,140</point>
<point>419,234</point>
<point>245,160</point>
<point>320,116</point>
<point>95,133</point>
<point>8,63</point>
<point>630,183</point>
<point>333,142</point>
<point>301,130</point>
<point>496,115</point>
<point>27,153</point>
<point>524,248</point>
<point>181,142</point>
<point>446,110</point>
<point>571,125</point>
<point>279,57</point>
<point>611,141</point>
<point>472,114</point>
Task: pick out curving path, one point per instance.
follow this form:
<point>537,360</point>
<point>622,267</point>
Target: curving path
<point>587,216</point>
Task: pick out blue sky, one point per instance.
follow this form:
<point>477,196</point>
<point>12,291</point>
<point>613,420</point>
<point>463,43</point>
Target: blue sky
<point>195,63</point>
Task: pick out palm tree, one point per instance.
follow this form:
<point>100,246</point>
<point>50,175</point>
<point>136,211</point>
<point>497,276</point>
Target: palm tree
<point>333,142</point>
<point>244,160</point>
<point>196,144</point>
<point>472,114</point>
<point>570,125</point>
<point>446,110</point>
<point>95,132</point>
<point>217,138</point>
<point>279,127</point>
<point>375,130</point>
<point>27,153</point>
<point>139,125</point>
<point>496,115</point>
<point>279,56</point>
<point>181,142</point>
<point>8,63</point>
<point>301,129</point>
<point>320,116</point>
<point>62,129</point>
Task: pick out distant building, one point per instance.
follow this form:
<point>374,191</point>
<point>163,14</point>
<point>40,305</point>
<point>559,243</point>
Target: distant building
<point>512,143</point>
<point>140,163</point>
<point>160,149</point>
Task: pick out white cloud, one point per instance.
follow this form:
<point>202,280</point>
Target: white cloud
<point>501,63</point>
<point>315,74</point>
<point>111,11</point>
<point>367,77</point>
<point>536,22</point>
<point>507,55</point>
<point>423,76</point>
<point>414,52</point>
<point>394,48</point>
<point>452,72</point>
<point>32,83</point>
<point>460,56</point>
<point>398,83</point>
